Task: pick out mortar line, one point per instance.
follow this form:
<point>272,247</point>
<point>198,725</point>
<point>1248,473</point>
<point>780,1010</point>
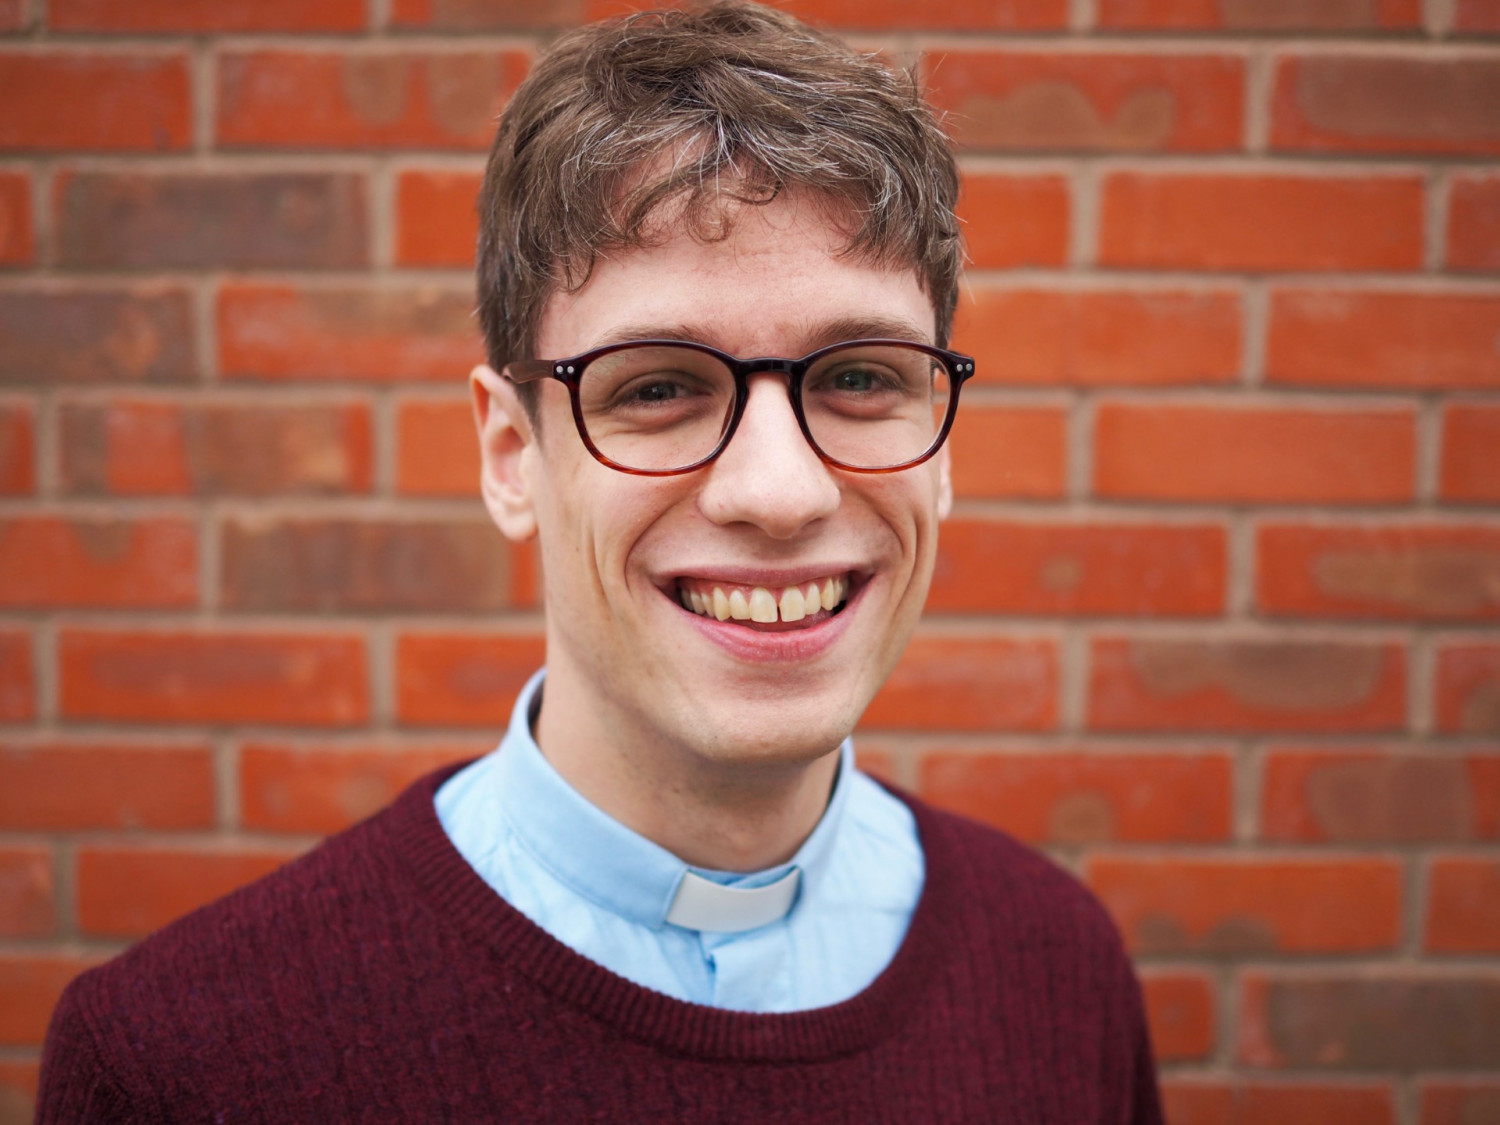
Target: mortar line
<point>1429,412</point>
<point>1240,563</point>
<point>1420,688</point>
<point>1438,16</point>
<point>226,760</point>
<point>1259,66</point>
<point>1084,216</point>
<point>1255,326</point>
<point>1436,192</point>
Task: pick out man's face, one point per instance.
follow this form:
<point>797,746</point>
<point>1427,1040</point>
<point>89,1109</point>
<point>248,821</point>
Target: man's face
<point>627,660</point>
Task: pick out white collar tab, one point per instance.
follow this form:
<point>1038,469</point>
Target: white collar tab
<point>700,904</point>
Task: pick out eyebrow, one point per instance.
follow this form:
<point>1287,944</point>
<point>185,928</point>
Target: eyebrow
<point>819,336</point>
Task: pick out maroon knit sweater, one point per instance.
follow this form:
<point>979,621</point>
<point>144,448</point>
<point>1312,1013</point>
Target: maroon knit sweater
<point>379,979</point>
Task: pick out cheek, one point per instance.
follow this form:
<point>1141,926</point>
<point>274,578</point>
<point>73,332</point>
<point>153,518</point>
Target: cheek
<point>909,503</point>
<point>607,526</point>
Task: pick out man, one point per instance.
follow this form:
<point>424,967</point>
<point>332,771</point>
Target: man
<point>669,895</point>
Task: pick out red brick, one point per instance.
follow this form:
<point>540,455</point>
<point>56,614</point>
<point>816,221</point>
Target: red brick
<point>480,15</point>
<point>1463,906</point>
<point>1254,454</point>
<point>1108,338</point>
<point>381,98</point>
<point>1474,222</point>
<point>1180,1012</point>
<point>1476,16</point>
<point>437,450</point>
<point>17,238</point>
<point>1386,103</point>
<point>1395,1020</point>
<point>96,335</point>
<point>969,683</point>
<point>526,575</point>
<point>30,984</point>
<point>1088,101</point>
<point>17,449</point>
<point>14,16</point>
<point>901,15</point>
<point>281,220</point>
<point>1229,684</point>
<point>1416,341</point>
<point>114,102</point>
<point>1010,452</point>
<point>1262,222</point>
<point>18,1079</point>
<point>215,447</point>
<point>334,565</point>
<point>1461,1103</point>
<point>223,677</point>
<point>206,15</point>
<point>1244,906</point>
<point>1012,221</point>
<point>1376,796</point>
<point>77,786</point>
<point>437,223</point>
<point>1470,470</point>
<point>877,761</point>
<point>128,892</point>
<point>1412,571</point>
<point>322,789</point>
<point>1261,15</point>
<point>1069,798</point>
<point>463,680</point>
<point>1051,568</point>
<point>17,677</point>
<point>282,332</point>
<point>1468,688</point>
<point>1212,1103</point>
<point>880,15</point>
<point>51,562</point>
<point>28,907</point>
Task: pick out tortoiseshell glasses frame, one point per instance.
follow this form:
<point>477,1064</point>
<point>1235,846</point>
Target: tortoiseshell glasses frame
<point>570,371</point>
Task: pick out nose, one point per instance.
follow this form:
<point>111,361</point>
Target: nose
<point>768,475</point>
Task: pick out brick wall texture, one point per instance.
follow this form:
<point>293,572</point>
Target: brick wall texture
<point>1216,620</point>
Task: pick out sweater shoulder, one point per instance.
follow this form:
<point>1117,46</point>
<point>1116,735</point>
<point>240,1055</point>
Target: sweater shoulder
<point>989,871</point>
<point>232,956</point>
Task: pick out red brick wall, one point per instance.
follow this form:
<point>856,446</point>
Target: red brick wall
<point>1217,619</point>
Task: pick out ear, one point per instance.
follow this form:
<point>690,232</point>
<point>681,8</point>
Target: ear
<point>507,451</point>
<point>945,483</point>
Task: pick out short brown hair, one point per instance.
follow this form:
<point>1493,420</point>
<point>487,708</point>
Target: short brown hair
<point>732,99</point>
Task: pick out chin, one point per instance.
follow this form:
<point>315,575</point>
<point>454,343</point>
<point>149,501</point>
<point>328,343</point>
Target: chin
<point>794,737</point>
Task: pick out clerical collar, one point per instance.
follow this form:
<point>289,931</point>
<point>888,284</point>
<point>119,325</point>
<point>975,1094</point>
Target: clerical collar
<point>621,870</point>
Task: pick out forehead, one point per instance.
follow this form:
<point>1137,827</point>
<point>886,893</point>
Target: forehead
<point>779,282</point>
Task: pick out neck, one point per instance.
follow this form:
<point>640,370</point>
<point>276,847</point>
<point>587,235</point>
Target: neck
<point>724,815</point>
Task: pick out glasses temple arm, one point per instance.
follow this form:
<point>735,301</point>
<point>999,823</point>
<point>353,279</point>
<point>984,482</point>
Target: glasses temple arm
<point>527,370</point>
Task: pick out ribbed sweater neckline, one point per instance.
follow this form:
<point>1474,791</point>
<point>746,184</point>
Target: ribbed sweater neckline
<point>515,944</point>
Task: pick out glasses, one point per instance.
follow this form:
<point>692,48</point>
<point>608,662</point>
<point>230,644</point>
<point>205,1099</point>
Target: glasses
<point>661,407</point>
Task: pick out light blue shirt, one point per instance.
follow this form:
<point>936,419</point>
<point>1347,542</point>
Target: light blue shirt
<point>605,890</point>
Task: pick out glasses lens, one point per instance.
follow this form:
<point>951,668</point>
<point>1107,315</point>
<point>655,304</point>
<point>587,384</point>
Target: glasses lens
<point>655,408</point>
<point>874,406</point>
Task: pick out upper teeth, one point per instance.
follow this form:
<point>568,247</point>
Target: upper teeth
<point>758,603</point>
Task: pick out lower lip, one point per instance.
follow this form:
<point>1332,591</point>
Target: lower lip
<point>793,646</point>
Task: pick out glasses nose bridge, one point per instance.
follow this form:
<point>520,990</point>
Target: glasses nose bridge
<point>745,369</point>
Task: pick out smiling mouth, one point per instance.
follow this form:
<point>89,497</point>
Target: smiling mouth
<point>801,606</point>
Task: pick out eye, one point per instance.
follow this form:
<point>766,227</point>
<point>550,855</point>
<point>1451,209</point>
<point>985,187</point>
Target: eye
<point>855,379</point>
<point>657,387</point>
